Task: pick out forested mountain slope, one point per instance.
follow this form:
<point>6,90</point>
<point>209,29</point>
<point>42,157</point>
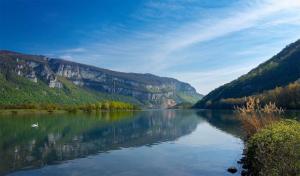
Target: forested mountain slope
<point>281,70</point>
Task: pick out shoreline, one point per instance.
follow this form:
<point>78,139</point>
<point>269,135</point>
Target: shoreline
<point>29,111</point>
<point>61,111</point>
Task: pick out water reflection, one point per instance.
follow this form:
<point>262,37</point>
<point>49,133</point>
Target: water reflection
<point>198,142</point>
<point>224,120</point>
<point>65,137</point>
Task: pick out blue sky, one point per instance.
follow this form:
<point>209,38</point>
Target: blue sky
<point>203,42</point>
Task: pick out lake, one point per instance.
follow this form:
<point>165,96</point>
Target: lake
<point>154,142</point>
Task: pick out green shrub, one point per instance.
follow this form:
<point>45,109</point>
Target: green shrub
<point>275,150</point>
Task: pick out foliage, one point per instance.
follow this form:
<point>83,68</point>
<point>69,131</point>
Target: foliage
<point>112,105</point>
<point>107,105</point>
<point>287,97</point>
<point>272,145</point>
<point>275,150</point>
<point>255,117</point>
<point>253,106</point>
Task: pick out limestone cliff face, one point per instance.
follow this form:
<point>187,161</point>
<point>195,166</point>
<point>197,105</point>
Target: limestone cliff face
<point>151,90</point>
<point>29,66</point>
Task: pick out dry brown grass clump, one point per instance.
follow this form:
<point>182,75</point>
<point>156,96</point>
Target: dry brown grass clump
<point>255,117</point>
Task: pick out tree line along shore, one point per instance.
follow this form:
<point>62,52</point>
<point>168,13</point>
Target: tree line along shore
<point>89,107</point>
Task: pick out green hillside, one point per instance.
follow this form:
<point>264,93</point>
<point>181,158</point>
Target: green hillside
<point>279,71</point>
<point>19,90</point>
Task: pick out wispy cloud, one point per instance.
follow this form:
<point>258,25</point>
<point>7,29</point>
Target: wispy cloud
<point>74,50</point>
<point>67,57</point>
<point>173,32</point>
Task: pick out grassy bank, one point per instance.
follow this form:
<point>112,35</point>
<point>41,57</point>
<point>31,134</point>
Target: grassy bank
<point>272,145</point>
<point>56,108</point>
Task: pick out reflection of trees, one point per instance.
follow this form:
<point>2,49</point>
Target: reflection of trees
<point>69,137</point>
<point>227,120</point>
<point>223,120</point>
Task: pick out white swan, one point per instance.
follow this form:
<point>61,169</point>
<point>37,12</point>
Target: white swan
<point>35,125</point>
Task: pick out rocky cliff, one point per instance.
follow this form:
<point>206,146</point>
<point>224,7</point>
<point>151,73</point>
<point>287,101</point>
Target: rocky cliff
<point>152,91</point>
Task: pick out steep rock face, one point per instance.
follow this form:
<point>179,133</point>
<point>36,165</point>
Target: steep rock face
<point>149,89</point>
<point>29,66</point>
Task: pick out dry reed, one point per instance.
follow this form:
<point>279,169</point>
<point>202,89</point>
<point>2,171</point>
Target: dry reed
<point>255,117</point>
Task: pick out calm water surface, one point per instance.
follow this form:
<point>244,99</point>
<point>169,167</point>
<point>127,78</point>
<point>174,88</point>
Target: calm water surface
<point>169,142</point>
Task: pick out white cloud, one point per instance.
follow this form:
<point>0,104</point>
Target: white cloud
<point>67,57</point>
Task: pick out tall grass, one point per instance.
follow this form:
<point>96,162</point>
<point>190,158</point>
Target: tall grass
<point>255,117</point>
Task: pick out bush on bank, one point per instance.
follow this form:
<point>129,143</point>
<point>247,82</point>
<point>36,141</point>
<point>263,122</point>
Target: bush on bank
<point>275,150</point>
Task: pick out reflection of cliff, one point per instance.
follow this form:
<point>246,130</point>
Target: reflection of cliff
<point>64,138</point>
<point>223,120</point>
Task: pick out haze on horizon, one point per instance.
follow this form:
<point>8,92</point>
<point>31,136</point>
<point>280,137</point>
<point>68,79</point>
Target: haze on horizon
<point>202,42</point>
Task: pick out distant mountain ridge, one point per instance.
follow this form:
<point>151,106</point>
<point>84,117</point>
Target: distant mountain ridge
<point>58,74</point>
<point>280,71</point>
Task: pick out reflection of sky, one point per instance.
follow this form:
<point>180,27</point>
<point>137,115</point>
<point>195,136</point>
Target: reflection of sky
<point>206,151</point>
<point>206,135</point>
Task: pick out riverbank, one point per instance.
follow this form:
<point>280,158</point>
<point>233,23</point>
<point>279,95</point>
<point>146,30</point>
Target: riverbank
<point>272,143</point>
<point>274,150</point>
<point>41,111</point>
<point>58,108</point>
